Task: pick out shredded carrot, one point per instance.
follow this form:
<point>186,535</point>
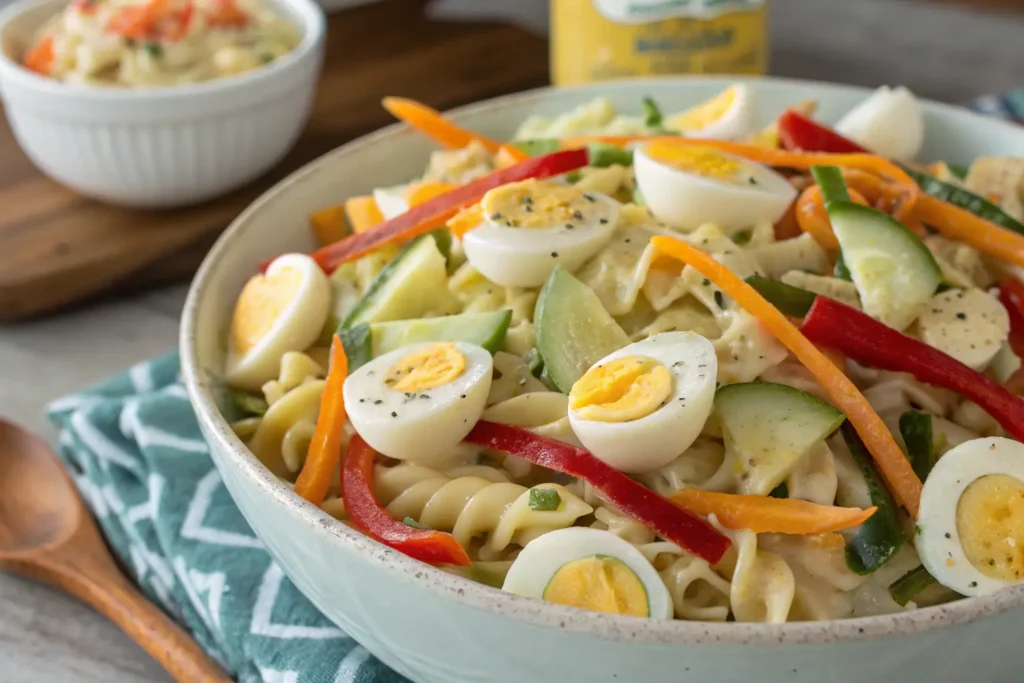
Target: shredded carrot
<point>434,125</point>
<point>363,213</point>
<point>40,56</point>
<point>766,515</point>
<point>466,220</point>
<point>898,473</point>
<point>329,224</point>
<point>325,448</point>
<point>972,230</point>
<point>812,217</point>
<point>838,359</point>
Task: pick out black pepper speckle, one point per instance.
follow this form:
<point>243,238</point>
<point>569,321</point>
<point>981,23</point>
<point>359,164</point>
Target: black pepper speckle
<point>394,414</point>
<point>554,254</point>
<point>961,316</point>
<point>602,221</point>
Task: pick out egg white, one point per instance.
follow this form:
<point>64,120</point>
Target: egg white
<point>408,427</point>
<point>391,201</point>
<point>525,257</point>
<point>297,326</point>
<point>943,556</point>
<point>687,200</point>
<point>736,122</point>
<point>541,559</point>
<point>889,123</point>
<point>655,440</point>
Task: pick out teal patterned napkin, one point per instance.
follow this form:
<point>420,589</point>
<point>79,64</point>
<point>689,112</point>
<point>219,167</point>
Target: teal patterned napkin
<point>134,448</point>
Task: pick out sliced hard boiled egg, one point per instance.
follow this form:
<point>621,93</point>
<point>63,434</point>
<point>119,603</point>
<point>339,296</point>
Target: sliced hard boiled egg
<point>589,569</point>
<point>687,186</point>
<point>528,228</point>
<point>418,402</point>
<point>726,116</point>
<point>639,408</point>
<point>278,311</point>
<point>970,530</point>
<point>889,123</point>
<point>967,324</point>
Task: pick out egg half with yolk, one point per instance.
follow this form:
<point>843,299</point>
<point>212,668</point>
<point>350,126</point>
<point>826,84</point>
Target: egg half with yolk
<point>640,407</point>
<point>728,115</point>
<point>687,186</point>
<point>970,529</point>
<point>590,569</point>
<point>418,402</point>
<point>527,228</point>
<point>278,311</point>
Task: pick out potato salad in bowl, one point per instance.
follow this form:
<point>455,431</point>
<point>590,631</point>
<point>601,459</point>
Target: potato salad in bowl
<point>150,43</point>
<point>664,365</point>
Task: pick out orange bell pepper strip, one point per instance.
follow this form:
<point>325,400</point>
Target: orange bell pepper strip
<point>766,515</point>
<point>325,447</point>
<point>434,125</point>
<point>895,467</point>
<point>329,224</point>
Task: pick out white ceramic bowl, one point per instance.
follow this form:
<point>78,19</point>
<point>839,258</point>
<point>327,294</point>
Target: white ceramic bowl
<point>433,627</point>
<point>158,147</point>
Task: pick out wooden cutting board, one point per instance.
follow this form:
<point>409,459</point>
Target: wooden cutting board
<point>58,248</point>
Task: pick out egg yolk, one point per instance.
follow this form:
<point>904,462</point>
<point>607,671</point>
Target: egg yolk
<point>262,301</point>
<point>431,366</point>
<point>702,161</point>
<point>704,114</point>
<point>599,583</point>
<point>990,523</point>
<point>533,204</point>
<point>621,390</point>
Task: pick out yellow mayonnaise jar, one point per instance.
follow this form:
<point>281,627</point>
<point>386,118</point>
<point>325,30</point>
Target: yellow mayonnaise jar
<point>595,40</point>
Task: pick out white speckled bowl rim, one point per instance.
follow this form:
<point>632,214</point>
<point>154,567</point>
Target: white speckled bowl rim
<point>621,628</point>
<point>306,14</point>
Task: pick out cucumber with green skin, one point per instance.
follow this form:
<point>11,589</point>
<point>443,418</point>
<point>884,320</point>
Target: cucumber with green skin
<point>877,540</point>
<point>921,587</point>
<point>965,199</point>
<point>793,301</point>
<point>366,341</point>
<point>770,427</point>
<point>916,430</point>
<point>412,284</point>
<point>573,330</point>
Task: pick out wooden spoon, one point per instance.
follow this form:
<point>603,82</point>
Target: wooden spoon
<point>47,534</point>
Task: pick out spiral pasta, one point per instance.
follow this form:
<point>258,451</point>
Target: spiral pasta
<point>471,506</point>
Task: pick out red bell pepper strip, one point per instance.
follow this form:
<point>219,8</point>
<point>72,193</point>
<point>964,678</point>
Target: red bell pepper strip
<point>871,343</point>
<point>369,516</point>
<point>433,214</point>
<point>671,522</point>
<point>1011,294</point>
<point>797,131</point>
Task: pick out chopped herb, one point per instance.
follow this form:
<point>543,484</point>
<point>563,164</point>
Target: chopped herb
<point>377,402</point>
<point>961,316</point>
<point>554,254</point>
<point>577,214</point>
<point>569,226</point>
<point>780,491</point>
<point>602,221</point>
<point>652,114</point>
<point>719,299</point>
<point>752,180</point>
<point>590,198</point>
<point>409,521</point>
<point>707,282</point>
<point>155,50</point>
<point>394,414</point>
<point>743,237</point>
<point>544,499</point>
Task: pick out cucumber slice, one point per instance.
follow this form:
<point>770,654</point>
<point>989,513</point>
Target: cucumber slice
<point>894,271</point>
<point>412,285</point>
<point>369,340</point>
<point>965,199</point>
<point>877,540</point>
<point>770,427</point>
<point>573,329</point>
<point>916,430</point>
<point>792,301</point>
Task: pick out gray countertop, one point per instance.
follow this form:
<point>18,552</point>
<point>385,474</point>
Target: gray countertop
<point>939,51</point>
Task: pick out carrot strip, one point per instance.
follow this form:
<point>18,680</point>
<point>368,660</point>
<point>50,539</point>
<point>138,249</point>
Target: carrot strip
<point>329,224</point>
<point>765,515</point>
<point>40,56</point>
<point>363,213</point>
<point>434,125</point>
<point>325,448</point>
<point>972,230</point>
<point>876,436</point>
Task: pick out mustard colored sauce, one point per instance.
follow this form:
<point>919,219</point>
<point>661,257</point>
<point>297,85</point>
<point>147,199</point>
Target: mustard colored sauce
<point>596,40</point>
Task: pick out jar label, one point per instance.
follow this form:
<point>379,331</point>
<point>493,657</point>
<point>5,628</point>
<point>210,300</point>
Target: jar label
<point>645,11</point>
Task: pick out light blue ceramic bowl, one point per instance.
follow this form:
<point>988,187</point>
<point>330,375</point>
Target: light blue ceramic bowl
<point>434,627</point>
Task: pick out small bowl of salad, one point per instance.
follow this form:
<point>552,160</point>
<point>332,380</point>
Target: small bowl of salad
<point>158,103</point>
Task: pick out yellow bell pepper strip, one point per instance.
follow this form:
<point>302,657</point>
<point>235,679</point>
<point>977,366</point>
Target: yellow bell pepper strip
<point>895,467</point>
<point>669,521</point>
<point>369,516</point>
<point>325,447</point>
<point>765,515</point>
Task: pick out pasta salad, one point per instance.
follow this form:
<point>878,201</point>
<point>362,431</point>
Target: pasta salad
<point>151,43</point>
<point>666,366</point>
